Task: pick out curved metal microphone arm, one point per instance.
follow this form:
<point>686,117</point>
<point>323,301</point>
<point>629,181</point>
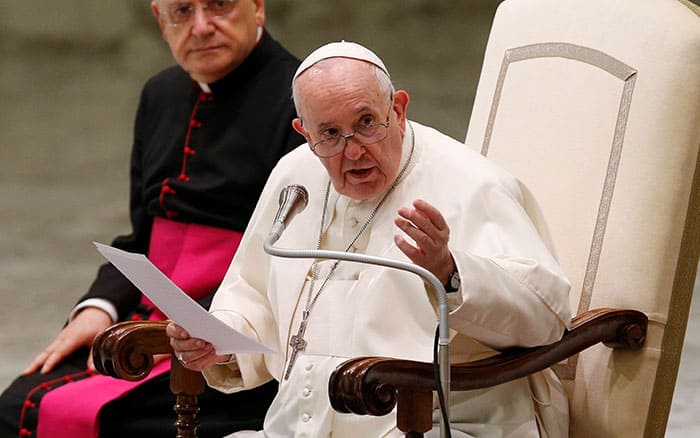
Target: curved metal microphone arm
<point>437,287</point>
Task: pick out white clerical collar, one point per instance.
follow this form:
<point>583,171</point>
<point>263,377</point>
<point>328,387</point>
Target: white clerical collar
<point>205,87</point>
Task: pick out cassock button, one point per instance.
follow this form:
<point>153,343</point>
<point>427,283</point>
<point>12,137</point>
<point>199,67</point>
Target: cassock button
<point>309,366</point>
<point>306,391</point>
<point>354,222</point>
<point>306,418</point>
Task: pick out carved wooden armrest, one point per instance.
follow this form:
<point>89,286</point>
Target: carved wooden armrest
<point>125,351</point>
<point>373,385</point>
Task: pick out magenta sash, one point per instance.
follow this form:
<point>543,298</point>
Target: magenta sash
<point>193,256</point>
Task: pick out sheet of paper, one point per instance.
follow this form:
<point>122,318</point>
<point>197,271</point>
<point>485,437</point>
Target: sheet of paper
<point>177,305</point>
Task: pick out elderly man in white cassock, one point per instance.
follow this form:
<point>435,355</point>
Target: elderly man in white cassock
<point>382,185</point>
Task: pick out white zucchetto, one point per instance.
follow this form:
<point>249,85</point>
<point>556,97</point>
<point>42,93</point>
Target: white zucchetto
<point>342,49</point>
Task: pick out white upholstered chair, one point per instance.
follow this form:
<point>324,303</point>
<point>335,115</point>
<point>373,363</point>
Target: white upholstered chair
<point>595,106</point>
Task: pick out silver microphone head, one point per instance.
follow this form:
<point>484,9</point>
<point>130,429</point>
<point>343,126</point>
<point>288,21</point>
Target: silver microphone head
<point>293,200</point>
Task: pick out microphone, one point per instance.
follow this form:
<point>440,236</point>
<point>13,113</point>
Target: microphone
<point>293,200</point>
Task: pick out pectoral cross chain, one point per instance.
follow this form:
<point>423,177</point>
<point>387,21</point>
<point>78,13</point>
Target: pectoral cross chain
<point>297,343</point>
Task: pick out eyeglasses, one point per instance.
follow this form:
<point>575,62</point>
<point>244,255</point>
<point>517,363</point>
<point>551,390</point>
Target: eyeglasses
<point>367,132</point>
<point>182,13</point>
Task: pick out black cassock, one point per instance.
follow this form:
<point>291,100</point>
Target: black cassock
<point>198,157</point>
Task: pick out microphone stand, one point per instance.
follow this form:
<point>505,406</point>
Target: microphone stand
<point>438,290</point>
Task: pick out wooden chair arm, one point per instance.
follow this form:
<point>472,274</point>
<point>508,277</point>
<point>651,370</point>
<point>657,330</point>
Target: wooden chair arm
<point>372,385</point>
<point>125,351</point>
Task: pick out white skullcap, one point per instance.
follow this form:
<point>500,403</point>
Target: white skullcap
<point>342,49</point>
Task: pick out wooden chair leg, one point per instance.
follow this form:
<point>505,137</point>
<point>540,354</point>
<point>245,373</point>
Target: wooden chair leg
<point>186,385</point>
<point>414,412</point>
<point>187,409</point>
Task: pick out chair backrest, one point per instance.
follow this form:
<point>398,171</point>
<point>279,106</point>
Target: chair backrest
<point>595,106</point>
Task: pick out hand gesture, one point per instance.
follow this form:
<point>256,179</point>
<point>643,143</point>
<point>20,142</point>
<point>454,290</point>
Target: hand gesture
<point>427,227</point>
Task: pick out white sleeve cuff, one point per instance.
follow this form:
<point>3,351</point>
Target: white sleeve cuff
<point>231,359</point>
<point>100,303</point>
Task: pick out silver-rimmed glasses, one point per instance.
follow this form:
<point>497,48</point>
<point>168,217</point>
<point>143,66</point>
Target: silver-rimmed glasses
<point>180,13</point>
<point>366,132</point>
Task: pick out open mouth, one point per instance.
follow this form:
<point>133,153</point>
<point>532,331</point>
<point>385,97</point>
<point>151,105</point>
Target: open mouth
<point>360,176</point>
<point>359,173</point>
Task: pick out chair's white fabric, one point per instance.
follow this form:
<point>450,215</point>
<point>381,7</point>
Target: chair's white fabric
<point>595,106</point>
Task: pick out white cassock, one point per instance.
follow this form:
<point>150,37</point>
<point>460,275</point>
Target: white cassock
<point>513,294</point>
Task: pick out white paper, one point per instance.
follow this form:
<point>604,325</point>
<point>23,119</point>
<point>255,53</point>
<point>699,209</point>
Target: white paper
<point>177,305</point>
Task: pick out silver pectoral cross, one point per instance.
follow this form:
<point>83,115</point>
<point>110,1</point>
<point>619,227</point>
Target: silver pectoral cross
<point>298,344</point>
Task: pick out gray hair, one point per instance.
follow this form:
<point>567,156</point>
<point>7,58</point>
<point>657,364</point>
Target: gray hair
<point>384,83</point>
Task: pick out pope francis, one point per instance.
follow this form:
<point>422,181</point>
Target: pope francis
<point>383,185</point>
